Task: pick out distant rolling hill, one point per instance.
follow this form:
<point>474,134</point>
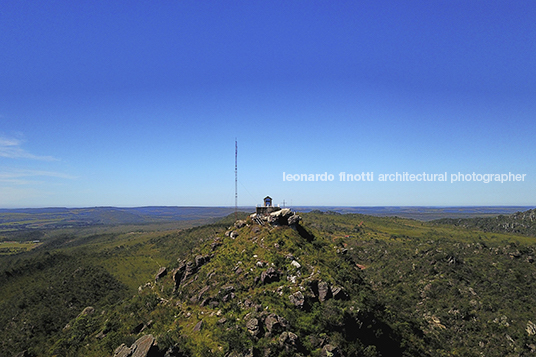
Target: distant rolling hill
<point>46,218</point>
<point>519,223</point>
<point>12,220</point>
<point>421,213</point>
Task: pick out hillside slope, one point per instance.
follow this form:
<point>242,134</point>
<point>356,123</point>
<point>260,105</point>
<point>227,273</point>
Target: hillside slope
<point>348,285</point>
<point>256,290</point>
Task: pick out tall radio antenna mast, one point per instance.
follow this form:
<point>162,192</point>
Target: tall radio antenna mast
<point>236,180</point>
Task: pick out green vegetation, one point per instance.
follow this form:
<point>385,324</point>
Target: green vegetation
<point>361,285</point>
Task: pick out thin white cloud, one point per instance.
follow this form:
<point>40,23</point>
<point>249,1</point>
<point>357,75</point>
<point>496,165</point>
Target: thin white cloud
<point>24,176</point>
<point>12,148</point>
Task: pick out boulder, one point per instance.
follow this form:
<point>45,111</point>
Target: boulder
<point>294,219</point>
<point>145,346</point>
<point>531,328</point>
<point>178,274</point>
<point>297,299</point>
<point>122,351</point>
<point>174,351</point>
<point>269,276</point>
<point>228,297</point>
<point>339,293</point>
<point>201,260</point>
<point>191,269</point>
<point>194,299</point>
<point>289,340</point>
<point>324,291</point>
<point>240,223</point>
<point>274,323</point>
<point>142,346</point>
<point>87,311</point>
<point>253,327</point>
<point>161,273</point>
<point>285,212</point>
<point>233,234</point>
<point>215,245</point>
<point>330,351</point>
<point>198,326</point>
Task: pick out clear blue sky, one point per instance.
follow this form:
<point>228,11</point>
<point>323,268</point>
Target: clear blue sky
<point>134,103</point>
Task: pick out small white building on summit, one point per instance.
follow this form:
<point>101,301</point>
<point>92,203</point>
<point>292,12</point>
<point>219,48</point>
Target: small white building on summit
<point>274,215</point>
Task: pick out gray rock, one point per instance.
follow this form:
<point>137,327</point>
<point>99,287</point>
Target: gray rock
<point>190,270</point>
<point>215,245</point>
<point>253,327</point>
<point>240,223</point>
<point>178,275</point>
<point>198,326</point>
<point>201,293</point>
<point>324,291</point>
<point>272,323</point>
<point>330,351</point>
<point>339,293</point>
<point>174,351</point>
<point>294,219</point>
<point>289,340</point>
<point>269,276</point>
<point>297,299</point>
<point>201,260</point>
<point>142,346</point>
<point>161,273</point>
<point>122,351</point>
<point>87,311</point>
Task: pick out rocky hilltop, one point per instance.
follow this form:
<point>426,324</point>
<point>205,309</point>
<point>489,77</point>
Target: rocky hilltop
<point>264,288</point>
<point>519,223</point>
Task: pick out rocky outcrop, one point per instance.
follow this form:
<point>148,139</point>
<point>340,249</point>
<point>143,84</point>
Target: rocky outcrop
<point>87,311</point>
<point>298,299</point>
<point>269,276</point>
<point>294,219</point>
<point>161,273</point>
<point>145,346</point>
<point>217,243</point>
<point>201,260</point>
<point>324,291</point>
<point>280,217</point>
<point>240,223</point>
<point>231,234</point>
<point>330,351</point>
<point>187,269</point>
<point>253,327</point>
<point>275,324</point>
<point>339,293</point>
<point>289,340</point>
